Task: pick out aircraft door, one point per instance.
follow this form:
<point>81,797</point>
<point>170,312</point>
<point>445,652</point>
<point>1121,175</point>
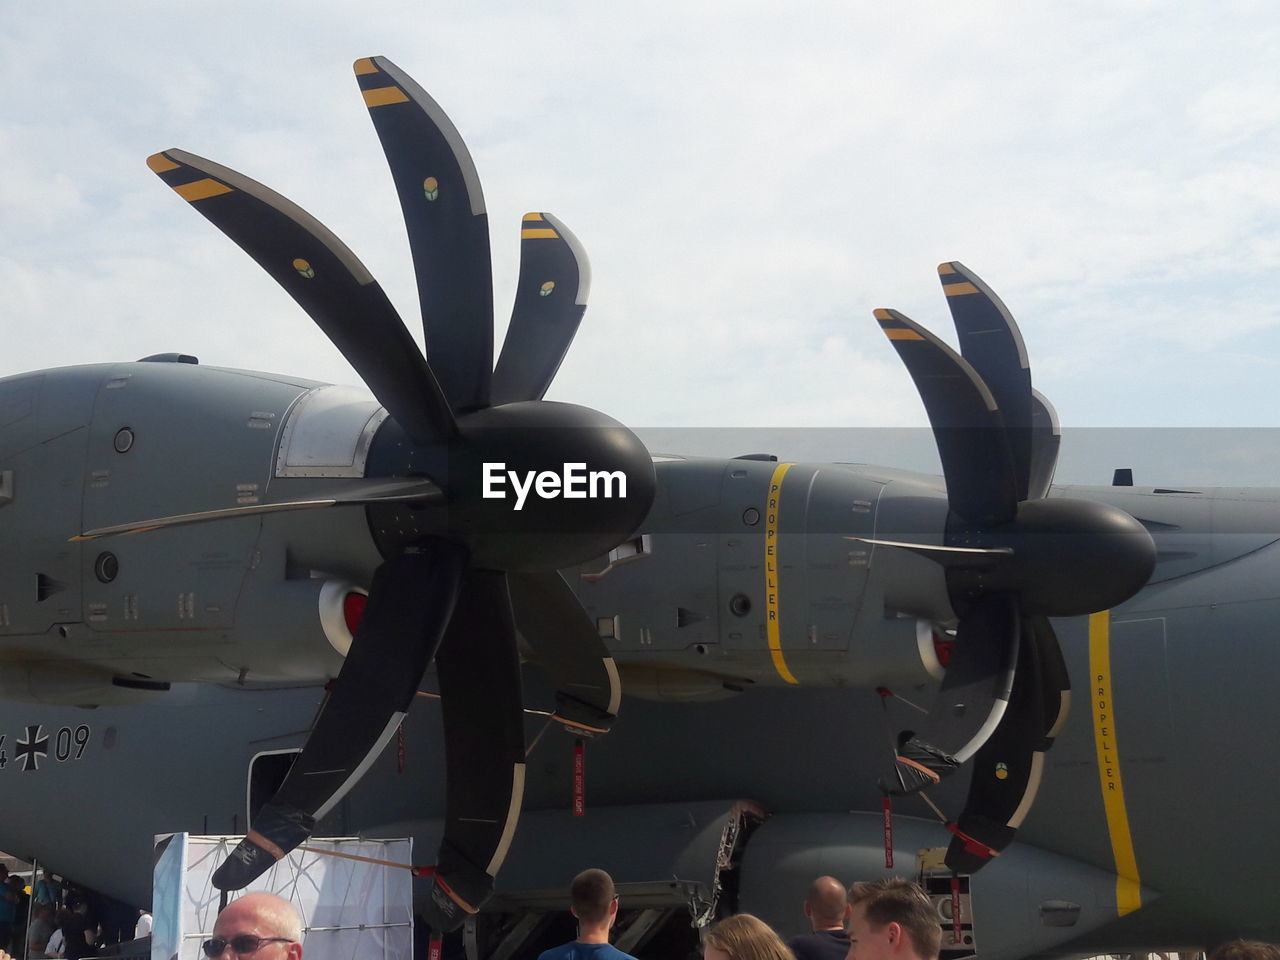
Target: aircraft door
<point>840,504</point>
<point>790,581</point>
<point>170,439</point>
<point>43,434</point>
<point>747,529</point>
<point>653,596</point>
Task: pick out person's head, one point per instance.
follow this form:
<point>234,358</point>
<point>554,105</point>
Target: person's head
<point>892,919</point>
<point>44,911</point>
<point>258,925</point>
<point>744,937</point>
<point>826,906</point>
<point>1245,950</point>
<point>593,898</point>
<point>17,883</point>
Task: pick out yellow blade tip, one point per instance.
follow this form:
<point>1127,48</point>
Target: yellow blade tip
<point>159,163</point>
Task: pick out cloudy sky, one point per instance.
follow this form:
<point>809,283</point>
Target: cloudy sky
<point>750,180</point>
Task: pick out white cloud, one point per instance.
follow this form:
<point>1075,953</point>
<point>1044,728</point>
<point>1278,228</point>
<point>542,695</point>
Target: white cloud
<point>749,186</point>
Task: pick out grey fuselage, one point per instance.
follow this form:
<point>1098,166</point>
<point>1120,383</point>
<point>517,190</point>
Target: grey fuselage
<point>751,632</point>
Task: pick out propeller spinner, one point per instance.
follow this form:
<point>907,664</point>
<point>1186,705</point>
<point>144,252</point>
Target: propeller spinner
<point>453,557</point>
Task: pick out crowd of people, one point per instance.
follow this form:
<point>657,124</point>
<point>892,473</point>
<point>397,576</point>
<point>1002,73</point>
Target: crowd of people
<point>889,919</point>
<point>65,922</point>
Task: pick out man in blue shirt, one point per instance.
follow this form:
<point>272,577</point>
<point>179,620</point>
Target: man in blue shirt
<point>594,901</point>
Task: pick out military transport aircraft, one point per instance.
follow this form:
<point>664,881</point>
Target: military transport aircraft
<point>827,667</point>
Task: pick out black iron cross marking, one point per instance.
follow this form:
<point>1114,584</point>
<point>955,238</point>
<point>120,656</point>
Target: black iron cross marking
<point>30,750</point>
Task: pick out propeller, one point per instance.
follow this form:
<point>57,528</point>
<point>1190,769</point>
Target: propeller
<point>458,437</point>
<point>1012,556</point>
<point>1007,770</point>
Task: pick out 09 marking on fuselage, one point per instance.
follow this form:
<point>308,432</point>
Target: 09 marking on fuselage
<point>69,744</point>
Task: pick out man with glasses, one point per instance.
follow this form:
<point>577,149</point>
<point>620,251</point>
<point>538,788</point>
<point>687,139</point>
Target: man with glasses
<point>260,925</point>
<point>594,901</point>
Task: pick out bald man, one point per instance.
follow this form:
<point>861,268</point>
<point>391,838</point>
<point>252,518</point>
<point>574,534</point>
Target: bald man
<point>827,908</point>
<point>260,925</point>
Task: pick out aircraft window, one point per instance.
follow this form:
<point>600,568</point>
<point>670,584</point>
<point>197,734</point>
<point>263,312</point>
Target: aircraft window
<point>327,433</point>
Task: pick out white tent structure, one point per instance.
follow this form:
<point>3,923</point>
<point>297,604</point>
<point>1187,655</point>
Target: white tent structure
<point>355,896</point>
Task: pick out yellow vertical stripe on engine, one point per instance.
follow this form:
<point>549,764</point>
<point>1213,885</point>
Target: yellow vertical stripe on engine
<point>771,572</point>
<point>1128,884</point>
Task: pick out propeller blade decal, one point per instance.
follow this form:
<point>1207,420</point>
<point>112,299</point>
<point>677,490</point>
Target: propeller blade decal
<point>551,297</point>
<point>952,557</point>
<point>326,279</point>
<point>365,492</point>
<point>482,708</point>
<point>448,228</point>
<point>971,702</point>
<point>1007,770</point>
<point>967,426</point>
<point>992,343</point>
<point>410,602</point>
<point>564,640</point>
<point>1046,437</point>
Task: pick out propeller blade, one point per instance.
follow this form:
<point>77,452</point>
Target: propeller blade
<point>326,279</point>
<point>411,600</point>
<point>992,343</point>
<point>972,699</point>
<point>482,709</point>
<point>1007,770</point>
<point>1046,437</point>
<point>967,427</point>
<point>551,297</point>
<point>362,493</point>
<point>565,641</point>
<point>448,228</point>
